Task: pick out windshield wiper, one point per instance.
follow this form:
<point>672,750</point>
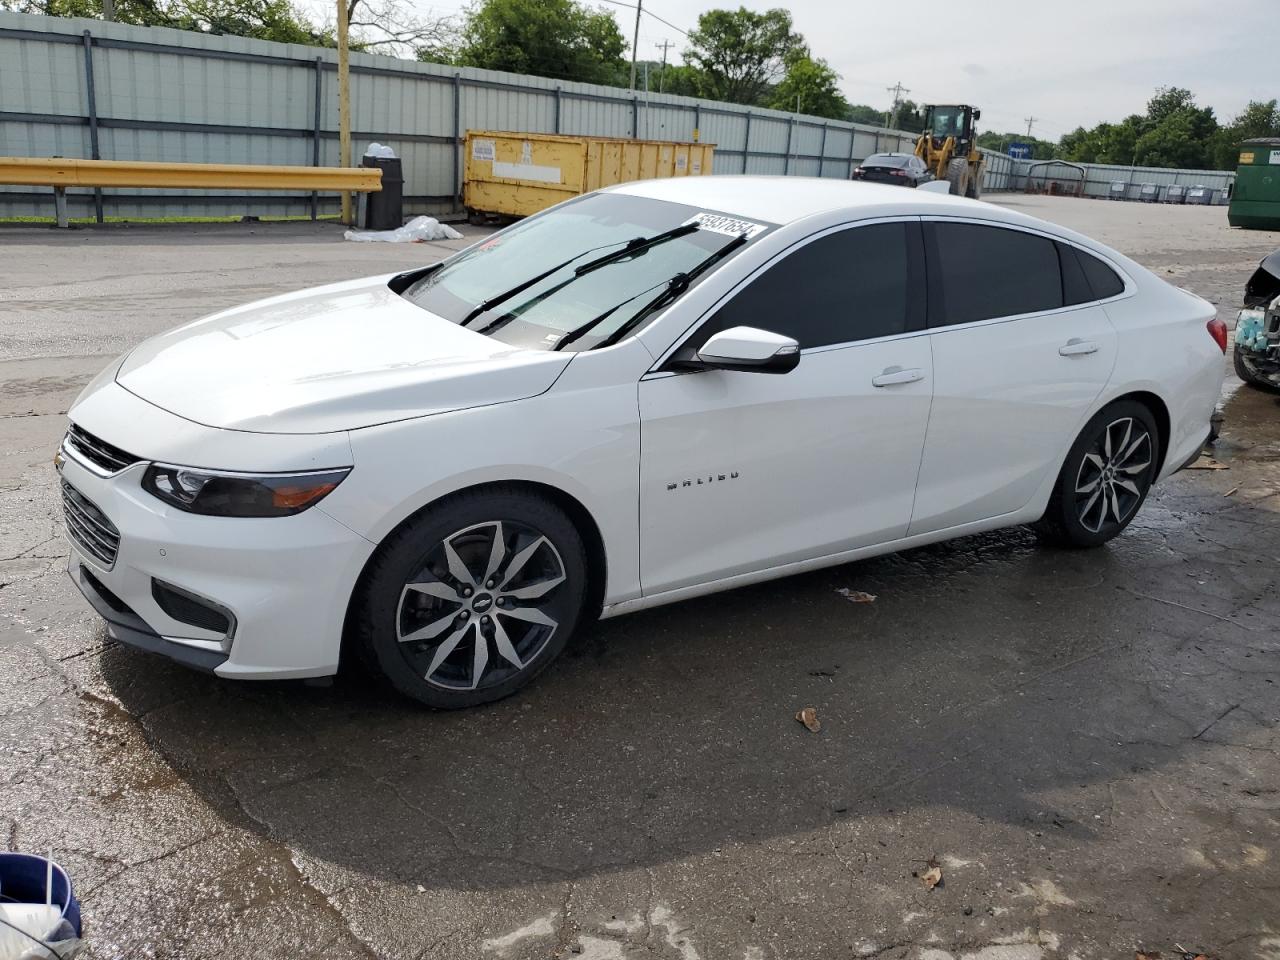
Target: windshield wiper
<point>673,288</point>
<point>637,245</point>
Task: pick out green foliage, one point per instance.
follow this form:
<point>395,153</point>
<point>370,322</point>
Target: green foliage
<point>1174,132</point>
<point>740,53</point>
<point>550,38</point>
<point>909,116</point>
<point>262,19</point>
<point>1260,118</point>
<point>811,84</point>
<point>861,113</point>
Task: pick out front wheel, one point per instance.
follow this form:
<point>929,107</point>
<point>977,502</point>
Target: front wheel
<point>1246,371</point>
<point>1106,477</point>
<point>470,600</point>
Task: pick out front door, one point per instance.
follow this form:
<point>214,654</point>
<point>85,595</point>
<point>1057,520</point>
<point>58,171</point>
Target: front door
<point>746,471</point>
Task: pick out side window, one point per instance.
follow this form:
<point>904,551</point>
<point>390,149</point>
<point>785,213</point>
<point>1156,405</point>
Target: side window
<point>987,272</point>
<point>1102,279</point>
<point>1075,286</point>
<point>852,285</point>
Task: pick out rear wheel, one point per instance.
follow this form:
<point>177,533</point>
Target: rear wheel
<point>472,599</point>
<point>1106,477</point>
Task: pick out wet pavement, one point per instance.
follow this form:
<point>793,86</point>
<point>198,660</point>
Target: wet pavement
<point>1084,742</point>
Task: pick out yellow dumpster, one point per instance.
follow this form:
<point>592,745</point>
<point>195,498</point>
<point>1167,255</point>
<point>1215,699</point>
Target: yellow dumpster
<point>516,174</point>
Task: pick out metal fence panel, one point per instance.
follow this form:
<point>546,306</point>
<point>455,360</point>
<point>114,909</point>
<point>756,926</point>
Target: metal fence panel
<point>162,94</point>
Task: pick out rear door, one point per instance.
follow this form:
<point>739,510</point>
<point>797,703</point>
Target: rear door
<point>1021,350</point>
<point>746,471</point>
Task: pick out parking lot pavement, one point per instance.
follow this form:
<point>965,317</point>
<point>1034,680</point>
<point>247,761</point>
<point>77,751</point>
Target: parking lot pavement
<point>1085,743</point>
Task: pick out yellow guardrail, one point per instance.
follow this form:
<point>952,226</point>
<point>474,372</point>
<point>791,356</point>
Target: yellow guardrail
<point>61,173</point>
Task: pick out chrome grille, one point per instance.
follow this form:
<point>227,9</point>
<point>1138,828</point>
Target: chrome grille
<point>104,456</point>
<point>89,527</point>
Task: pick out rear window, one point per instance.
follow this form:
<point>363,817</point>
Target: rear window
<point>987,272</point>
<point>884,160</point>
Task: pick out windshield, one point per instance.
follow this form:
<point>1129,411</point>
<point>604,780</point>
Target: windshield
<point>948,122</point>
<point>542,314</point>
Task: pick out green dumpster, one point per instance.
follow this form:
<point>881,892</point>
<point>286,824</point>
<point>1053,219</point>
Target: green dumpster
<point>1255,202</point>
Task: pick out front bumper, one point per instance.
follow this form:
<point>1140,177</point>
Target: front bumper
<point>284,583</point>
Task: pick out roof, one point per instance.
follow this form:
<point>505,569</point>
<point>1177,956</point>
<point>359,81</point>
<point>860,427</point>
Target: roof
<point>782,199</point>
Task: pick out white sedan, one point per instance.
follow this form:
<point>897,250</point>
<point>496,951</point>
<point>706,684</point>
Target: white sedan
<point>644,394</point>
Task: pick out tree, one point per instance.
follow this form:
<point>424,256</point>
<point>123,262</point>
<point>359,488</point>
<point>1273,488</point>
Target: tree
<point>1174,132</point>
<point>908,116</point>
<point>740,53</point>
<point>261,19</point>
<point>1260,118</point>
<point>550,38</point>
<point>861,113</point>
<point>810,86</point>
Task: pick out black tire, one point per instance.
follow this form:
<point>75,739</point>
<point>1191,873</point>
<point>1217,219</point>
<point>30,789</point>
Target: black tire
<point>1246,373</point>
<point>1071,519</point>
<point>392,604</point>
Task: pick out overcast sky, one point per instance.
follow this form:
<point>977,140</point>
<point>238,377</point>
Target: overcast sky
<point>1070,63</point>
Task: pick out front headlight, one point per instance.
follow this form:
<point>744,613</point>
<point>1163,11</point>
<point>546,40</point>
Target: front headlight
<point>218,494</point>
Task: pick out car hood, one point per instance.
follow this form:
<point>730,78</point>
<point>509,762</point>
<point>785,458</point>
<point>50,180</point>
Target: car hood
<point>339,357</point>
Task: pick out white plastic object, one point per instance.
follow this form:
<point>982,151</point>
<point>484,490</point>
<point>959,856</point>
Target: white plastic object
<point>34,920</point>
<point>417,230</point>
<point>379,150</point>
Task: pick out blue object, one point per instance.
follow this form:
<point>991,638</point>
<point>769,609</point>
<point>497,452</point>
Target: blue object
<point>1249,332</point>
<point>1020,151</point>
<point>22,880</point>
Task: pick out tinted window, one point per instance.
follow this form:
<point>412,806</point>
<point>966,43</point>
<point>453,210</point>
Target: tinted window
<point>1102,279</point>
<point>987,272</point>
<point>851,285</point>
<point>1075,287</point>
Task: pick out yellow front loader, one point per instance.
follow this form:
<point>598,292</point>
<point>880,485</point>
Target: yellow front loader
<point>949,148</point>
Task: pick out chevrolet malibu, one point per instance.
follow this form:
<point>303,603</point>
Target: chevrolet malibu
<point>648,393</point>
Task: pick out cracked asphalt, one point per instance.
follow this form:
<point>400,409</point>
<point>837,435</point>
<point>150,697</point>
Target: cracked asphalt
<point>1085,743</point>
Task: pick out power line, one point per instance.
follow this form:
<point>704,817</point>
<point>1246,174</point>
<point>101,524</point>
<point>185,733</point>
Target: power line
<point>648,13</point>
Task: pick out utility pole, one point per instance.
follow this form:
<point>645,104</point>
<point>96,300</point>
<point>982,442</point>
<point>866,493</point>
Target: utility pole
<point>1030,121</point>
<point>635,43</point>
<point>344,106</point>
<point>108,10</point>
<point>662,77</point>
<point>897,90</point>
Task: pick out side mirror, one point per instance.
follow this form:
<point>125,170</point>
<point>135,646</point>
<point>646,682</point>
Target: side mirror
<point>750,350</point>
<point>936,186</point>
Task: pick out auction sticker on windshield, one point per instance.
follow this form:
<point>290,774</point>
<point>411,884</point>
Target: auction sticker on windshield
<point>729,226</point>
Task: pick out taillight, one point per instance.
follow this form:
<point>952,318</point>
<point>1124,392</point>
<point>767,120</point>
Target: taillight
<point>1218,330</point>
<point>897,173</point>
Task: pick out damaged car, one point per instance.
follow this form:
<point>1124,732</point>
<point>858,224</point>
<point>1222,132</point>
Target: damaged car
<point>1257,351</point>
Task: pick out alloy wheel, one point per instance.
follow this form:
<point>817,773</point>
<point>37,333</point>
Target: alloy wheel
<point>482,606</point>
<point>1113,474</point>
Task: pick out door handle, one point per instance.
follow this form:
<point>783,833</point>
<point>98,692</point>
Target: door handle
<point>895,375</point>
<point>1075,347</point>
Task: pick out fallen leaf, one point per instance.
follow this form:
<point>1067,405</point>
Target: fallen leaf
<point>809,717</point>
<point>1146,955</point>
<point>1208,463</point>
<point>856,596</point>
<point>931,877</point>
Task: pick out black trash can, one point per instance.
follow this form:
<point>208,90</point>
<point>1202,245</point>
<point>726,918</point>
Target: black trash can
<point>385,207</point>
